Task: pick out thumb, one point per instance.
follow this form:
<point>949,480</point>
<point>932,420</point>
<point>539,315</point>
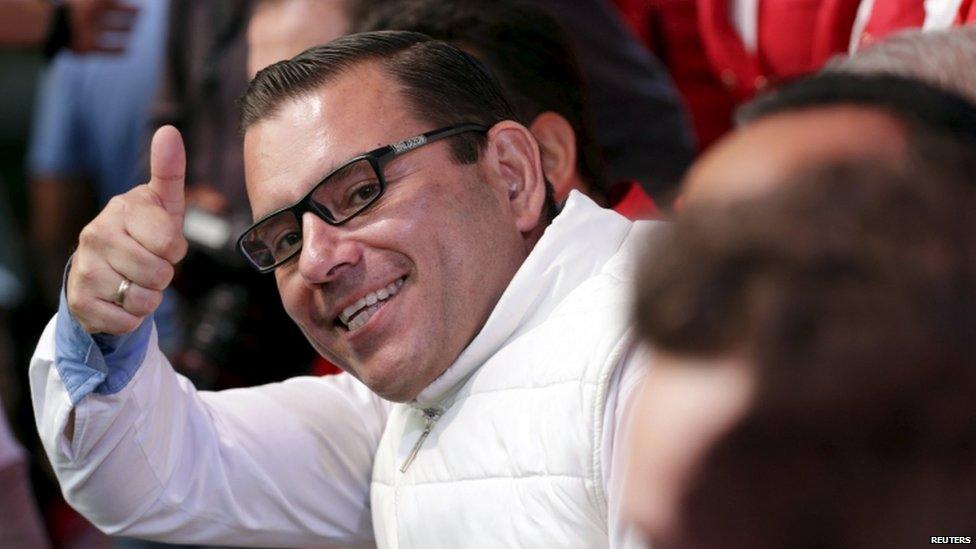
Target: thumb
<point>167,169</point>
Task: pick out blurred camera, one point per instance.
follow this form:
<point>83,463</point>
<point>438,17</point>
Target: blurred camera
<point>233,323</point>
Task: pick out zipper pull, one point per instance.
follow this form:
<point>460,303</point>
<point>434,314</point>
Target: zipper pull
<point>431,415</point>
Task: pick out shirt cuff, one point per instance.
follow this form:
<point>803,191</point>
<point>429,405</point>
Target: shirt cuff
<point>102,363</point>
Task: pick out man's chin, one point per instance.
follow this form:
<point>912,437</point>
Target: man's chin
<point>392,390</point>
<point>389,380</point>
<point>392,379</point>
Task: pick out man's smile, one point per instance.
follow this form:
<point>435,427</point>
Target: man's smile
<point>357,314</point>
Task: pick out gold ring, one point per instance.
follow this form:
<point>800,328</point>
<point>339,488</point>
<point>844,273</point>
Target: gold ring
<point>119,297</point>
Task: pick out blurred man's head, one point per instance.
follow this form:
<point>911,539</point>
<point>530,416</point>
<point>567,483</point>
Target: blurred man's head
<point>821,341</point>
<point>390,244</point>
<point>529,54</point>
<point>280,29</point>
<point>943,59</point>
<point>824,119</point>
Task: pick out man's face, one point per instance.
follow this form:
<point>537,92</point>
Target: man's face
<point>684,407</point>
<point>442,236</point>
<point>753,158</point>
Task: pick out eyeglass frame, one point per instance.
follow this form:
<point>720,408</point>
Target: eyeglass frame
<point>378,159</point>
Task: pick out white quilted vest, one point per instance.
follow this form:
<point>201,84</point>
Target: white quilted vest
<point>512,452</point>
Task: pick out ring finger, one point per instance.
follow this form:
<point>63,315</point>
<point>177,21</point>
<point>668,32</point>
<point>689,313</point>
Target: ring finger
<point>136,300</point>
<point>132,261</point>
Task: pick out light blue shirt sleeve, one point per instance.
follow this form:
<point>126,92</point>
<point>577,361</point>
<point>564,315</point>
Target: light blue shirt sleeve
<point>102,363</point>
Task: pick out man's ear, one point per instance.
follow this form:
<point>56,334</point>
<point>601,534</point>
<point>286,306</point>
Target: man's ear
<point>557,141</point>
<point>515,169</point>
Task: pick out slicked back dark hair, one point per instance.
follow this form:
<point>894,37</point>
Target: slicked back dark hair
<point>916,104</point>
<point>526,49</point>
<point>441,83</point>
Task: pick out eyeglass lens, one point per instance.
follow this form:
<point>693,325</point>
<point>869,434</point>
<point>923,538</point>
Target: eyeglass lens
<point>339,197</point>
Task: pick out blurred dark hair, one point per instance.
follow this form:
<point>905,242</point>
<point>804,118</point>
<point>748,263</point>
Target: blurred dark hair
<point>524,47</point>
<point>852,291</point>
<point>919,106</point>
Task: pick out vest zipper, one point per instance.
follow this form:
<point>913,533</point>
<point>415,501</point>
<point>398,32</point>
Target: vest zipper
<point>431,415</point>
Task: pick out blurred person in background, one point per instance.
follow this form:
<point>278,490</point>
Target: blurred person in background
<point>538,63</point>
<point>721,53</point>
<point>20,524</point>
<point>814,368</point>
<point>942,58</point>
<point>637,116</point>
<point>88,135</point>
<point>822,119</point>
<point>639,120</point>
<point>204,72</point>
<point>81,27</point>
<point>876,19</point>
<point>84,26</point>
<point>281,29</point>
<point>528,51</point>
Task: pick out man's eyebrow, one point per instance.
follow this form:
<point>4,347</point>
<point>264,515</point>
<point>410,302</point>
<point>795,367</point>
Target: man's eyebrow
<point>315,182</point>
<point>335,165</point>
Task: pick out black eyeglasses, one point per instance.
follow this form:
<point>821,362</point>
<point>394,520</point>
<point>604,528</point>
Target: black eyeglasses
<point>342,195</point>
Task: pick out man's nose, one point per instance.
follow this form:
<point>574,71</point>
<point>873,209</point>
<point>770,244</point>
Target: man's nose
<point>327,251</point>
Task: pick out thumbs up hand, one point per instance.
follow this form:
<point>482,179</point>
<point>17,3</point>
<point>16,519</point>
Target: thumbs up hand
<point>125,256</point>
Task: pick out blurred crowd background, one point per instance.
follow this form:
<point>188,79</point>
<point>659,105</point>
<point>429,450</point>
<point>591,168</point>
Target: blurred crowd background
<point>640,88</point>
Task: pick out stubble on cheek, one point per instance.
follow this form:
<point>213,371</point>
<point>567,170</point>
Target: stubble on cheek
<point>303,308</point>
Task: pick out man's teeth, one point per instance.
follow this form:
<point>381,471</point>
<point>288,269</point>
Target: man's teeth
<point>363,317</point>
<point>371,302</point>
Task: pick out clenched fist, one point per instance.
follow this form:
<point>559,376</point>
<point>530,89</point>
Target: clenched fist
<point>134,242</point>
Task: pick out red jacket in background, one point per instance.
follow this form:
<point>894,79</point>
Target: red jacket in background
<point>711,65</point>
<point>715,70</point>
<point>967,13</point>
<point>630,200</point>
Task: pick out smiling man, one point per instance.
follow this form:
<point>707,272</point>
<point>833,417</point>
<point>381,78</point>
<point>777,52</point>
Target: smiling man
<point>404,213</point>
<point>425,242</point>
